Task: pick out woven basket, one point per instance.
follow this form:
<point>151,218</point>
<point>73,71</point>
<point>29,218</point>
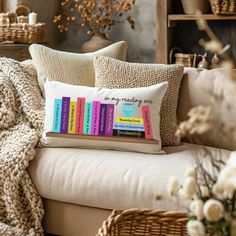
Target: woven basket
<point>21,33</point>
<point>224,7</point>
<point>136,222</point>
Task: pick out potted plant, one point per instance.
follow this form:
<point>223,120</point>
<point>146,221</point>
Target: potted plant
<point>96,18</point>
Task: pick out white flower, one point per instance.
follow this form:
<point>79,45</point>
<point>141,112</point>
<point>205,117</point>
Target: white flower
<point>227,177</point>
<point>213,210</point>
<point>218,191</point>
<point>189,188</point>
<point>204,191</point>
<point>190,173</point>
<point>196,208</point>
<point>196,228</point>
<point>173,186</point>
<point>232,160</point>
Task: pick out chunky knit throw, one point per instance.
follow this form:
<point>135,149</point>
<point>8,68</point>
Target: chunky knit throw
<point>21,122</point>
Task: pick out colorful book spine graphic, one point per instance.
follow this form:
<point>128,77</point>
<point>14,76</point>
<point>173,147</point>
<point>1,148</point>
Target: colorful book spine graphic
<point>110,119</point>
<point>103,117</point>
<point>72,118</point>
<point>147,122</point>
<point>79,128</point>
<point>95,118</point>
<point>128,127</point>
<point>88,118</point>
<point>57,116</point>
<point>128,133</point>
<point>65,114</point>
<point>129,120</point>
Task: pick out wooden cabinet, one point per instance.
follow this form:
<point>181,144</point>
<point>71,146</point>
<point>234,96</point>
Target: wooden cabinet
<point>19,52</point>
<point>172,29</point>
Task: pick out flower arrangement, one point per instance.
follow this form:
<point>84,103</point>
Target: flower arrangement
<point>95,16</point>
<point>213,197</point>
<point>211,186</point>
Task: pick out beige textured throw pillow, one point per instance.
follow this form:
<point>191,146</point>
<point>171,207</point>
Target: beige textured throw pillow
<point>71,68</point>
<point>112,73</point>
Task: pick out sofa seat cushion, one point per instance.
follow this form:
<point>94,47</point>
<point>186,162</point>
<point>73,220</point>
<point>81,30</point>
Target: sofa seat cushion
<point>111,179</point>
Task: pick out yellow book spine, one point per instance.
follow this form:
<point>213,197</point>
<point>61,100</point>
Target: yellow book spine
<point>129,120</point>
<point>72,118</point>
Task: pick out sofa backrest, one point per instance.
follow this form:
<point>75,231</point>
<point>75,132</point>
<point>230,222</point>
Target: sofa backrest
<point>198,88</point>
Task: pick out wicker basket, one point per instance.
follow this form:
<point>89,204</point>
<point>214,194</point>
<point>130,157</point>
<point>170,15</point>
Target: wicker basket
<point>136,222</point>
<point>21,33</point>
<point>187,60</point>
<point>224,7</point>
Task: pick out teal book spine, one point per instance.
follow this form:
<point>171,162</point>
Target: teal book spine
<point>57,116</point>
<point>88,118</point>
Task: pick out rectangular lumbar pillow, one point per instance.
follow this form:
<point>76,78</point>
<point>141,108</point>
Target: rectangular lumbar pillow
<point>111,73</point>
<point>71,68</point>
<point>120,119</point>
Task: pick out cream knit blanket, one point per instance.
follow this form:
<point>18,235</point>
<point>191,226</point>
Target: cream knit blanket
<point>21,122</point>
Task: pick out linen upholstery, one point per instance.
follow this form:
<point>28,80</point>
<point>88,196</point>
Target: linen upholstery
<point>68,219</point>
<point>198,88</point>
<point>110,179</point>
<point>112,73</point>
<point>71,68</point>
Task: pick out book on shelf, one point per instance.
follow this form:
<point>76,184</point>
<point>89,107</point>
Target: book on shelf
<point>110,119</point>
<point>147,122</point>
<point>65,114</point>
<point>95,118</point>
<point>103,117</point>
<point>57,116</point>
<point>72,118</point>
<point>79,127</point>
<point>128,133</point>
<point>88,118</point>
<point>130,127</point>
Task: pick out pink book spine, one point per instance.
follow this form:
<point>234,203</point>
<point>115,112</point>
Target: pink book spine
<point>95,118</point>
<point>147,122</point>
<point>80,115</point>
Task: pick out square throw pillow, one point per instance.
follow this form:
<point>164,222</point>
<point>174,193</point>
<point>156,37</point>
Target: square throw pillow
<point>112,73</point>
<point>120,119</point>
<point>71,68</point>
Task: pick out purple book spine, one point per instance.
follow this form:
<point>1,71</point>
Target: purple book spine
<point>110,119</point>
<point>65,114</point>
<point>95,119</point>
<point>103,117</point>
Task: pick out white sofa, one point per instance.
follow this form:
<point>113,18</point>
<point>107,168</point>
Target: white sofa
<point>80,187</point>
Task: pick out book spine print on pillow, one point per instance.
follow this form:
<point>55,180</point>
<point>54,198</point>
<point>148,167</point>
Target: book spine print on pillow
<point>127,133</point>
<point>103,118</point>
<point>88,118</point>
<point>110,119</point>
<point>72,118</point>
<point>95,118</point>
<point>147,122</point>
<point>65,115</point>
<point>129,127</point>
<point>98,119</point>
<point>57,116</point>
<point>79,127</point>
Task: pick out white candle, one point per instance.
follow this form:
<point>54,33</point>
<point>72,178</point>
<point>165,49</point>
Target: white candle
<point>33,18</point>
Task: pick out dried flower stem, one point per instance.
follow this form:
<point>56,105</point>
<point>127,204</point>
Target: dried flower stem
<point>95,16</point>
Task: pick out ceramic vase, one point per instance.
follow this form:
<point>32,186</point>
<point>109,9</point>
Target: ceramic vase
<point>191,6</point>
<point>98,41</point>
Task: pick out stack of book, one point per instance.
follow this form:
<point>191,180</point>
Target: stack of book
<point>98,119</point>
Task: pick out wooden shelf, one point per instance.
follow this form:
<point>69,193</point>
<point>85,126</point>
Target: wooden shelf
<point>182,17</point>
<point>167,19</point>
<point>103,138</point>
